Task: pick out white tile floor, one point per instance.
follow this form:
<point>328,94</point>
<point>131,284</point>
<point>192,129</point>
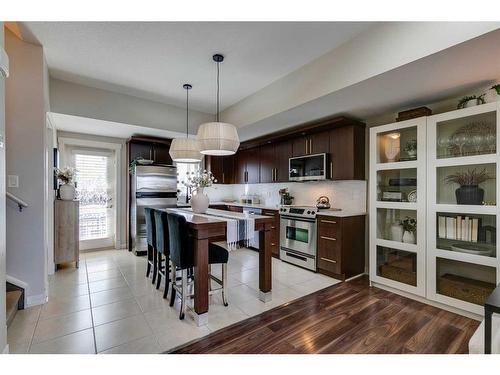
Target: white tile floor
<point>109,306</point>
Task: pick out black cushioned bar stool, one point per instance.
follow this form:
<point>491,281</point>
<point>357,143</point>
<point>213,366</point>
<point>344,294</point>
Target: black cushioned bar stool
<point>163,249</point>
<point>182,257</point>
<point>151,241</point>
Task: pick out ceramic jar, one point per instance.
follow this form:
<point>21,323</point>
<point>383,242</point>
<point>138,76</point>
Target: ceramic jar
<point>199,201</point>
<point>409,237</point>
<point>67,192</point>
<point>397,232</point>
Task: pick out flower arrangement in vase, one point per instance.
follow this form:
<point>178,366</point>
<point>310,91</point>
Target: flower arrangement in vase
<point>409,228</point>
<point>66,175</point>
<point>196,183</point>
<point>469,191</point>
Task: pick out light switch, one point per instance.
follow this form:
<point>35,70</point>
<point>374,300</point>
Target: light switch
<point>12,181</point>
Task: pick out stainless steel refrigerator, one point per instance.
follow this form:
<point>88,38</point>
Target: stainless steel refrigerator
<point>151,186</point>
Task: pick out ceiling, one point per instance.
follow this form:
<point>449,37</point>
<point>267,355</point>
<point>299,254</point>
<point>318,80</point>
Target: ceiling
<point>153,59</point>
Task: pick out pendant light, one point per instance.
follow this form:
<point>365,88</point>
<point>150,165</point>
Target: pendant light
<point>218,138</point>
<point>186,150</point>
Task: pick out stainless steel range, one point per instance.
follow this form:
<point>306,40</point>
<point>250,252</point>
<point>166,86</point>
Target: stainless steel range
<point>298,235</point>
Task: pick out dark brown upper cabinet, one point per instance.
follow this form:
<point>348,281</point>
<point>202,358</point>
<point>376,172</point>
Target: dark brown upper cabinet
<point>247,166</point>
<point>315,143</point>
<point>267,163</point>
<point>155,149</point>
<point>221,167</point>
<point>283,152</point>
<point>347,153</point>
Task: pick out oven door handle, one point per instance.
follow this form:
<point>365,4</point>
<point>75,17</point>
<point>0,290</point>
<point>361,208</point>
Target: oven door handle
<point>295,218</point>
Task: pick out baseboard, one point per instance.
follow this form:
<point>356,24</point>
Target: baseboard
<point>17,282</point>
<point>6,349</point>
<point>36,300</point>
<point>428,302</point>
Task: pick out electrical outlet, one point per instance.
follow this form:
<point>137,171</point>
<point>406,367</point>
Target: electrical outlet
<point>12,181</point>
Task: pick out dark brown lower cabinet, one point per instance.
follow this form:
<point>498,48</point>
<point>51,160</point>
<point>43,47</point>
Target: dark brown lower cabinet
<point>275,231</point>
<point>341,246</point>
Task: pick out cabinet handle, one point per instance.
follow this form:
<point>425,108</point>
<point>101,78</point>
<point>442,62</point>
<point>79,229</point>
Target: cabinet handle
<point>310,145</point>
<point>328,260</point>
<point>328,238</point>
<point>331,169</point>
<point>223,178</point>
<point>306,147</point>
<point>246,176</point>
<point>150,158</point>
<point>154,154</point>
<point>273,244</point>
<point>329,221</point>
<point>276,174</point>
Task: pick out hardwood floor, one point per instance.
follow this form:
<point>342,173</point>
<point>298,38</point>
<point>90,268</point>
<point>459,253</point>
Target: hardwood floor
<point>347,318</point>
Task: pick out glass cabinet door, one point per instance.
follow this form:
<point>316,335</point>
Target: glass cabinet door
<point>397,145</point>
<point>467,136</point>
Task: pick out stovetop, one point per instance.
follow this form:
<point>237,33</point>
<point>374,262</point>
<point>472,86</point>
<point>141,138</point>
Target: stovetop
<point>303,211</point>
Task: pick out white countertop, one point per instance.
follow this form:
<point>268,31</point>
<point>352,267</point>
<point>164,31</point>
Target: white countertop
<point>237,204</point>
<point>342,213</point>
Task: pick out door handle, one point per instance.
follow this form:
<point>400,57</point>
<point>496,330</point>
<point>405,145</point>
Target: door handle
<point>328,238</point>
<point>328,260</point>
<point>329,221</point>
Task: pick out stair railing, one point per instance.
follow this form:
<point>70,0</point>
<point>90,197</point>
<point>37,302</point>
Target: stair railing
<point>20,203</point>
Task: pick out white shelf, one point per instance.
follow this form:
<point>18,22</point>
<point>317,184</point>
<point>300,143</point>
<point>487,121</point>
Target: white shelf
<point>396,165</point>
<point>412,248</point>
<point>466,160</point>
<point>468,258</point>
<point>396,205</point>
<point>466,209</point>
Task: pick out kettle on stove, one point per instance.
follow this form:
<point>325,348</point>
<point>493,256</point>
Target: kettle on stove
<point>323,202</point>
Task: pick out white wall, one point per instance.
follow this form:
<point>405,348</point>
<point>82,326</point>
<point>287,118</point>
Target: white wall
<point>78,100</point>
<point>3,327</point>
<point>26,105</point>
<point>376,51</point>
<point>348,195</point>
<point>121,209</point>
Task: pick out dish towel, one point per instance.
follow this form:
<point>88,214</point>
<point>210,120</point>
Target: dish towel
<point>237,229</point>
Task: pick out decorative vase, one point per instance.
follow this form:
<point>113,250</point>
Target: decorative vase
<point>199,201</point>
<point>409,237</point>
<point>469,194</point>
<point>471,103</point>
<point>397,232</point>
<point>491,96</point>
<point>67,192</point>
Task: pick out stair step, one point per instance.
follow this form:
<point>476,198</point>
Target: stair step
<point>12,302</point>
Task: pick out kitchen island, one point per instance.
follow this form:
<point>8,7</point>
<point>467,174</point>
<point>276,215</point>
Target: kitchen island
<point>204,229</point>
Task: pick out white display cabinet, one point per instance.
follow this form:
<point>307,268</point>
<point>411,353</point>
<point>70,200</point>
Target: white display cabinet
<point>397,191</point>
<point>462,216</point>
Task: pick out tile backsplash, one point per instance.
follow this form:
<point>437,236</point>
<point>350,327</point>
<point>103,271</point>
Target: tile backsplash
<point>348,195</point>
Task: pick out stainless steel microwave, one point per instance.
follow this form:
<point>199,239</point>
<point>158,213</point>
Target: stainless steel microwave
<point>308,167</point>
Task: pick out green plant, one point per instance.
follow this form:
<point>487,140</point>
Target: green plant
<point>469,178</point>
<point>479,99</point>
<point>496,88</point>
<point>409,224</point>
<point>133,163</point>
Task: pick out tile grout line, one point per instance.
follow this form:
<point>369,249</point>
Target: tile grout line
<point>36,326</point>
<point>91,311</point>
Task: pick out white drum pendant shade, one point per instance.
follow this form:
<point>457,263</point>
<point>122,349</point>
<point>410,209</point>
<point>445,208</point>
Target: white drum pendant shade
<point>185,150</point>
<point>218,138</point>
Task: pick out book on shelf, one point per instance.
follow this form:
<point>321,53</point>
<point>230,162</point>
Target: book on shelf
<point>459,228</point>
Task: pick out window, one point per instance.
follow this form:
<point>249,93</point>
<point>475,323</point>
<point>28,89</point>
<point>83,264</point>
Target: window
<point>182,170</point>
<point>94,192</point>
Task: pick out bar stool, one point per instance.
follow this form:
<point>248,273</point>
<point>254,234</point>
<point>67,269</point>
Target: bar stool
<point>163,249</point>
<point>182,257</point>
<point>151,241</point>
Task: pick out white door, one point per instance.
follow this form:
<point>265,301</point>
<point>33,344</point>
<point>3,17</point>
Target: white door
<point>95,187</point>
